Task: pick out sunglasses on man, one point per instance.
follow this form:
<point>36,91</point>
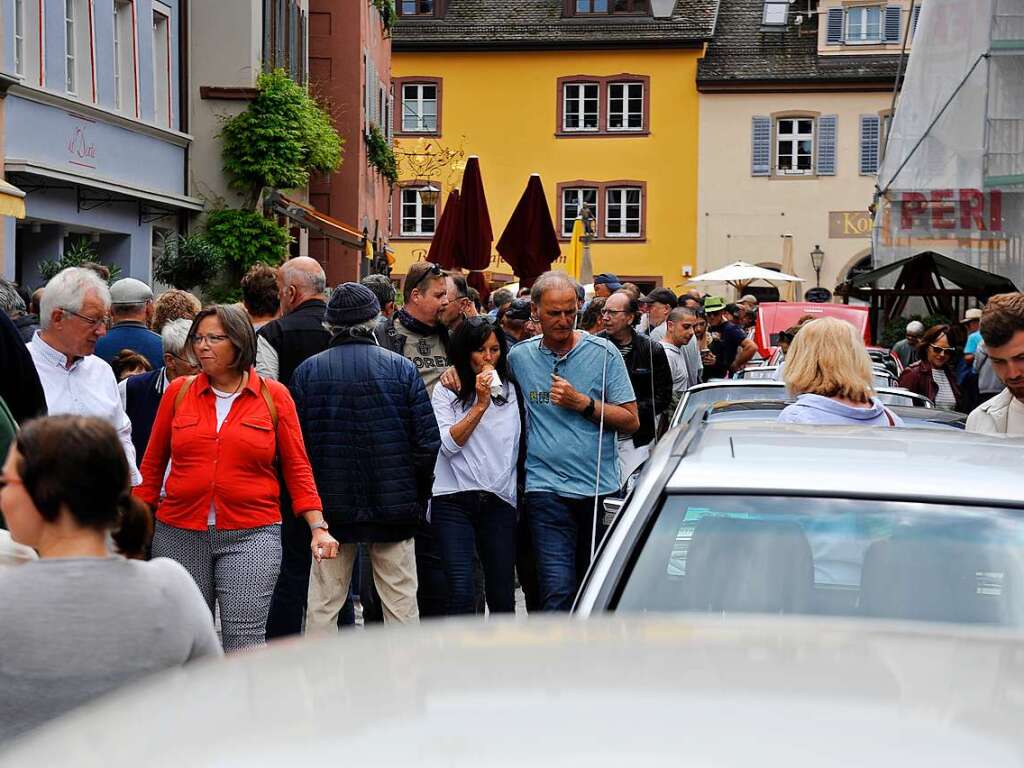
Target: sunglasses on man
<point>434,270</point>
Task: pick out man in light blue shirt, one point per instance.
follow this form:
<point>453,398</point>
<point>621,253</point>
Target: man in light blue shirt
<point>568,378</point>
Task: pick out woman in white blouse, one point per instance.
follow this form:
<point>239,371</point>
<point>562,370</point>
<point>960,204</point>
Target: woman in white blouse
<point>473,511</point>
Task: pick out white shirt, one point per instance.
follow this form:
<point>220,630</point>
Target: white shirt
<point>487,462</point>
<point>224,403</point>
<point>680,378</point>
<point>87,388</point>
<point>659,331</point>
<point>1015,418</point>
<point>944,398</point>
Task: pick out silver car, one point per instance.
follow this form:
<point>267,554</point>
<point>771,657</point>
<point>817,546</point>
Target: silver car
<point>761,517</point>
<point>699,397</point>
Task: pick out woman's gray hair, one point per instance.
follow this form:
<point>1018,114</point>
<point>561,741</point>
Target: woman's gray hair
<point>552,281</point>
<point>237,328</point>
<point>10,300</point>
<point>68,290</point>
<point>175,336</point>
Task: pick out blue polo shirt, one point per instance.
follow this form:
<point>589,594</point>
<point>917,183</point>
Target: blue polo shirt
<point>561,445</point>
<point>135,336</point>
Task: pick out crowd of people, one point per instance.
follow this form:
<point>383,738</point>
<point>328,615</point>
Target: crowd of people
<point>219,476</point>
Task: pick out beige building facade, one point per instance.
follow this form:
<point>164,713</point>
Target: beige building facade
<point>795,101</point>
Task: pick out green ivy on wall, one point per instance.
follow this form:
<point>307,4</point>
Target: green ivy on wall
<point>280,139</point>
<point>381,156</point>
<point>388,14</point>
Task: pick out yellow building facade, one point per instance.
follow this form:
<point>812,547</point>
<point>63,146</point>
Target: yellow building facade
<point>615,128</point>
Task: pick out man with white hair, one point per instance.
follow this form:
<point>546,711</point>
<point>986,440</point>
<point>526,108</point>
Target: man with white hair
<point>73,316</point>
<point>141,394</point>
<point>906,349</point>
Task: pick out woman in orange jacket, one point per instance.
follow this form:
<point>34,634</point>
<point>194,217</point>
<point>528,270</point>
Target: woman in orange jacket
<point>226,432</point>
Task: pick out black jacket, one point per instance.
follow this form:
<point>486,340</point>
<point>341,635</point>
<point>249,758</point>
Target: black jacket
<point>638,365</point>
<point>297,336</point>
<point>371,436</point>
<point>19,382</point>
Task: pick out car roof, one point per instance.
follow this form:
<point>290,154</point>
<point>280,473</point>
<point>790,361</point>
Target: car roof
<point>905,412</point>
<point>670,690</point>
<point>768,457</point>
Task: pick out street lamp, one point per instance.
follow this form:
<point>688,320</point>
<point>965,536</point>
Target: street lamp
<point>817,260</point>
<point>429,195</point>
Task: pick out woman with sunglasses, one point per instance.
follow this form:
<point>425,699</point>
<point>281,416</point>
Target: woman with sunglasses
<point>934,374</point>
<point>473,511</point>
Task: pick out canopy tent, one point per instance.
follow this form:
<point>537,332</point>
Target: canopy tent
<point>740,274</point>
<point>944,284</point>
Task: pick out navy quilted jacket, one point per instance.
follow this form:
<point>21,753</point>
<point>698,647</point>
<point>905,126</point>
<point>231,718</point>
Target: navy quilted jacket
<point>371,436</point>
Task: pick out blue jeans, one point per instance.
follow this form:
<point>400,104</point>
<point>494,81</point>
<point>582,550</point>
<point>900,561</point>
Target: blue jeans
<point>476,523</point>
<point>561,531</point>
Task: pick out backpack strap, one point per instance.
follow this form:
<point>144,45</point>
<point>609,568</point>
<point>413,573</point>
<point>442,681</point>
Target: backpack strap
<point>889,416</point>
<point>181,393</point>
<point>269,400</point>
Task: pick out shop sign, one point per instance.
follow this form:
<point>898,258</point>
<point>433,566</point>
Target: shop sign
<point>849,224</point>
<point>80,145</point>
<point>949,213</point>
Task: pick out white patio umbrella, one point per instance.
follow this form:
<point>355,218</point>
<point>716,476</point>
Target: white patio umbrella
<point>740,273</point>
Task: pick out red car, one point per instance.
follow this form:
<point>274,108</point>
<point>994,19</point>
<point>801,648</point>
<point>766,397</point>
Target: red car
<point>773,317</point>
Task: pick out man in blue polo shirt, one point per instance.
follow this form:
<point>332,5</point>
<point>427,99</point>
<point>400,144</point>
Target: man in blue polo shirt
<point>131,308</point>
<point>568,378</point>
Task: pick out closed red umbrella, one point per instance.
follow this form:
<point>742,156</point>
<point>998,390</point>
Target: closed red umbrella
<point>442,244</point>
<point>530,242</point>
<point>473,235</point>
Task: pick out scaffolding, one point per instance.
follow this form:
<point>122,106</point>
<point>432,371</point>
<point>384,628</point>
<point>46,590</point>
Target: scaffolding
<point>952,179</point>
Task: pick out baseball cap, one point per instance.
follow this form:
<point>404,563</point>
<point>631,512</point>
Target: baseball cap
<point>713,304</point>
<point>128,290</point>
<point>662,296</point>
<point>749,299</point>
<point>607,278</point>
<point>519,309</point>
<point>971,314</point>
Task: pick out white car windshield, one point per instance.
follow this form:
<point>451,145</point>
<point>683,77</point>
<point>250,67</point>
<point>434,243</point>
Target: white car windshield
<point>835,557</point>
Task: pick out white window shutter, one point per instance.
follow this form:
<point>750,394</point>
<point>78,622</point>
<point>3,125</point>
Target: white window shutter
<point>893,18</point>
<point>761,146</point>
<point>913,23</point>
<point>834,28</point>
<point>870,137</point>
<point>827,125</point>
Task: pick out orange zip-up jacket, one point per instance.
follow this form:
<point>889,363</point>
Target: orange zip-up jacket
<point>233,468</point>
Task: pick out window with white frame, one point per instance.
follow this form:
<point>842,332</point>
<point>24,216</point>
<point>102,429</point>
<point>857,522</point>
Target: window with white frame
<point>416,7</point>
<point>623,212</point>
<point>864,24</point>
<point>625,106</point>
<point>162,67</point>
<point>125,92</point>
<point>580,102</point>
<point>419,108</point>
<point>19,36</point>
<point>573,200</point>
<point>70,46</point>
<point>776,12</point>
<point>794,145</point>
<point>418,216</point>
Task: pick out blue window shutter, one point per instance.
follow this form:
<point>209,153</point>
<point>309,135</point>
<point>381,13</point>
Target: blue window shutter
<point>761,146</point>
<point>893,16</point>
<point>827,145</point>
<point>913,23</point>
<point>870,137</point>
<point>834,30</point>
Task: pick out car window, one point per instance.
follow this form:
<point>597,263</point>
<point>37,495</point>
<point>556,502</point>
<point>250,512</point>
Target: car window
<point>834,557</point>
<point>699,399</point>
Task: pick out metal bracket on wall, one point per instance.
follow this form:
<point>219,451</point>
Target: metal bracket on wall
<point>149,214</point>
<point>87,203</point>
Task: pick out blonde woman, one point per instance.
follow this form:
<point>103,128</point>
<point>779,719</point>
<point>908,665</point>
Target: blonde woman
<point>829,372</point>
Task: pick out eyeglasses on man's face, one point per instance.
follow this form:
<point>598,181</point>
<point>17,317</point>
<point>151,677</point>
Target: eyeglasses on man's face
<point>92,322</point>
<point>611,312</point>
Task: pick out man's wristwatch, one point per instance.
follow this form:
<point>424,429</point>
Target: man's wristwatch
<point>322,525</point>
<point>589,410</point>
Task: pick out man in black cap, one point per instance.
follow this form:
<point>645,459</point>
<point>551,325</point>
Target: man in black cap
<point>659,303</point>
<point>372,441</point>
<point>517,320</point>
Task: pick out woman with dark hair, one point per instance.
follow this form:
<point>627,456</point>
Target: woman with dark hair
<point>934,375</point>
<point>221,514</point>
<point>473,511</point>
<point>79,621</point>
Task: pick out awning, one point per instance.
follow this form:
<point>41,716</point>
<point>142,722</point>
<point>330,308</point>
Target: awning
<point>164,199</point>
<point>12,201</point>
<point>308,217</point>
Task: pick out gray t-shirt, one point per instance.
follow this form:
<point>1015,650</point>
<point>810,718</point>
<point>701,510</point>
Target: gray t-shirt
<point>72,629</point>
